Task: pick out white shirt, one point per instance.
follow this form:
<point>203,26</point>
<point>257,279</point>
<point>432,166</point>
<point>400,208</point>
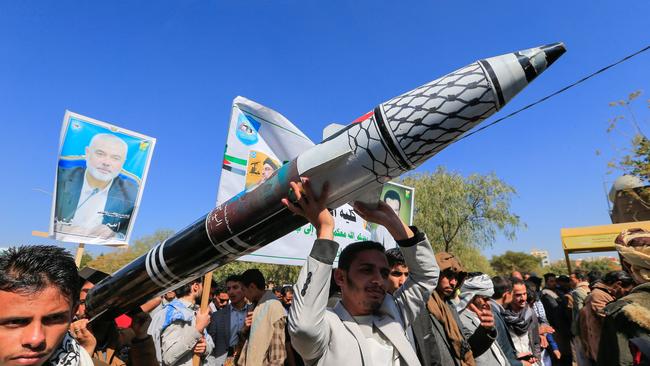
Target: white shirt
<point>382,352</point>
<point>91,205</point>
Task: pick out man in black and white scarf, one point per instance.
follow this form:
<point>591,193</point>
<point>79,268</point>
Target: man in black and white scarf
<point>39,293</point>
<point>522,325</point>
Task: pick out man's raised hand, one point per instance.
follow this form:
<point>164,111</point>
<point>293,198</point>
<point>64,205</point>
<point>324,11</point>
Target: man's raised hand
<point>311,207</point>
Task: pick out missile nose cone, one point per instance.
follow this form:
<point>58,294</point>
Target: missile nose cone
<point>512,72</point>
<point>553,51</point>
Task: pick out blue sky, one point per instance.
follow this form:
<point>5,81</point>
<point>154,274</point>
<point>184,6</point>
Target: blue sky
<point>170,69</point>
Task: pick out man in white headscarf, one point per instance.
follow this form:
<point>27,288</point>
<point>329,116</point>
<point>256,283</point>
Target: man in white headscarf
<point>628,317</point>
<point>474,305</point>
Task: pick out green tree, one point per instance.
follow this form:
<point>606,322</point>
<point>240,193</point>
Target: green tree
<point>85,259</point>
<point>463,214</point>
<point>279,274</point>
<point>602,265</point>
<point>511,261</point>
<point>558,267</point>
<point>634,159</point>
<point>111,262</point>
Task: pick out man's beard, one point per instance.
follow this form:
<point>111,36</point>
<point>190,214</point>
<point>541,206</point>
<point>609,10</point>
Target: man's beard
<point>104,177</point>
<point>374,305</point>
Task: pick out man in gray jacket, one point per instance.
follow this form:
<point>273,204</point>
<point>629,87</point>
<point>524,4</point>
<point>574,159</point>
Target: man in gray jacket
<point>367,327</point>
<point>183,331</point>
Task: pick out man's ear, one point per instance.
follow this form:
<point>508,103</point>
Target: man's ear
<point>339,277</point>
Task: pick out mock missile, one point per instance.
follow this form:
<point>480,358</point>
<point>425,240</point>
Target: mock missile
<point>356,160</point>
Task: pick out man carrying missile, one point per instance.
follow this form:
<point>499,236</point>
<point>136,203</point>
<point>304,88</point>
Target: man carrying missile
<point>367,327</point>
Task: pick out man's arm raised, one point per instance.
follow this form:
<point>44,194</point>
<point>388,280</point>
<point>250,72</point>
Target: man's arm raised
<point>310,333</point>
<point>413,295</point>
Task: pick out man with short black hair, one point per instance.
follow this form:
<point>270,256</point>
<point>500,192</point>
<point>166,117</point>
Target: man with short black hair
<point>287,296</point>
<point>522,324</point>
<point>580,292</point>
<point>367,326</point>
<point>183,330</point>
<point>613,286</point>
<point>558,314</point>
<point>227,322</point>
<point>503,296</point>
<point>264,327</point>
<point>399,272</point>
<point>39,293</point>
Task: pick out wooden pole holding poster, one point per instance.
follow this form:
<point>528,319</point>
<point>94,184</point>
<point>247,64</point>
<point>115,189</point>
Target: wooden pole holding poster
<point>205,298</point>
<point>79,254</point>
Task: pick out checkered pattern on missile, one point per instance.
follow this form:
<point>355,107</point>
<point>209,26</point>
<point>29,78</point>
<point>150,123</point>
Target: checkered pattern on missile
<point>430,117</point>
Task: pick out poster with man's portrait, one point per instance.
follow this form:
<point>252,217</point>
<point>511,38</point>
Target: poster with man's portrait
<point>401,199</point>
<point>100,178</point>
<point>260,167</point>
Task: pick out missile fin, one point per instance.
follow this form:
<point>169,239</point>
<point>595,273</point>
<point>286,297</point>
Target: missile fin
<point>331,129</point>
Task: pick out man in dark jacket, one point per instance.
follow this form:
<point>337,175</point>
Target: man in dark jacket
<point>628,318</point>
<point>502,296</point>
<point>439,334</point>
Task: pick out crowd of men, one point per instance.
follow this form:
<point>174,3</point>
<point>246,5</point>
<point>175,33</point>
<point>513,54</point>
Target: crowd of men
<point>397,307</point>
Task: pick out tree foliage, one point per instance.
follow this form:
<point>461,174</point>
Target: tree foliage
<point>456,211</point>
<point>111,262</point>
<point>85,259</point>
<point>279,274</point>
<point>511,261</point>
<point>635,158</point>
<point>602,265</point>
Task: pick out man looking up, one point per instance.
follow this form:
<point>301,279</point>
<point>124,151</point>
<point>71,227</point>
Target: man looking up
<point>39,293</point>
<point>264,326</point>
<point>226,323</point>
<point>94,200</point>
<point>183,331</point>
<point>367,326</point>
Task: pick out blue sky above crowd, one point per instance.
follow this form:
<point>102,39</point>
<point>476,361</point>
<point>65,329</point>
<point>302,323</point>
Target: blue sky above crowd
<point>170,70</point>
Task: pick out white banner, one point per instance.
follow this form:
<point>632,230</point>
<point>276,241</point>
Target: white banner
<point>259,141</point>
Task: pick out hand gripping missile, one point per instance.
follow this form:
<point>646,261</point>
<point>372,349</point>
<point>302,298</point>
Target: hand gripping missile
<point>397,136</point>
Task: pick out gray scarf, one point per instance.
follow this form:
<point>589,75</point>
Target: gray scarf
<point>519,322</point>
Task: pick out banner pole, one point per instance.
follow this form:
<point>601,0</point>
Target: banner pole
<point>205,298</point>
<point>79,254</point>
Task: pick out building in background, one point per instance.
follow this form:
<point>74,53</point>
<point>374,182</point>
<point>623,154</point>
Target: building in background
<point>542,255</point>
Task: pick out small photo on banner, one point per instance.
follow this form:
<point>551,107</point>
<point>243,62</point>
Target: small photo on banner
<point>401,199</point>
<point>100,177</point>
<point>260,168</point>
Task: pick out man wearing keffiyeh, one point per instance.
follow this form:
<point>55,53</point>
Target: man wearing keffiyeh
<point>629,317</point>
<point>472,307</point>
<point>39,292</point>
